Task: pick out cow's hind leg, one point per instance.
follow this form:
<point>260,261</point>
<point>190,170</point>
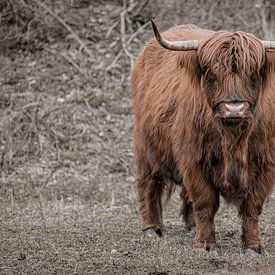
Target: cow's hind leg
<point>150,190</point>
<point>187,210</point>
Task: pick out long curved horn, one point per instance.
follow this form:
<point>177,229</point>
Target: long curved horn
<point>174,45</point>
<point>268,44</point>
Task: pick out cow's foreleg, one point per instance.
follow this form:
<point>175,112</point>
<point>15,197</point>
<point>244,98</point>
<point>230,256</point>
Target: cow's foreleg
<point>250,211</point>
<point>204,219</point>
<point>205,201</point>
<point>150,191</point>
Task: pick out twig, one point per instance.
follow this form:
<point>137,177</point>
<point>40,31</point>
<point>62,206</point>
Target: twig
<point>111,29</point>
<point>44,116</point>
<point>67,58</point>
<point>264,24</point>
<point>122,32</point>
<point>122,23</point>
<point>2,161</point>
<point>123,19</point>
<point>15,13</point>
<point>51,174</point>
<point>134,35</point>
<point>71,62</point>
<point>31,104</point>
<point>140,9</point>
<point>132,6</point>
<point>66,26</point>
<point>36,111</point>
<point>128,20</point>
<point>245,23</point>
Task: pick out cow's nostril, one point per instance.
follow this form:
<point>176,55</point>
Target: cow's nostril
<point>233,110</point>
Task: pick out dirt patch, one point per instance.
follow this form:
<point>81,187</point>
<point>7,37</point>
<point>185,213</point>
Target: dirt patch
<point>68,197</point>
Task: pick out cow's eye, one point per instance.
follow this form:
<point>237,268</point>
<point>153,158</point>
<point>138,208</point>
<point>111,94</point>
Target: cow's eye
<point>254,82</point>
<point>209,82</point>
<point>209,76</point>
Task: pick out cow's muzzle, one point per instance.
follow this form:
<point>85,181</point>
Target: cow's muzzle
<point>232,113</point>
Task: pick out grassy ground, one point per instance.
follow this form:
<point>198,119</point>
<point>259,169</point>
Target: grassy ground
<point>67,190</point>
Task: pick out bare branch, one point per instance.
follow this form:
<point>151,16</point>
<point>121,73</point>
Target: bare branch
<point>134,35</point>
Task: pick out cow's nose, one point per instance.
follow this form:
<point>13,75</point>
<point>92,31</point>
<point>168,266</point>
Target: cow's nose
<point>234,109</point>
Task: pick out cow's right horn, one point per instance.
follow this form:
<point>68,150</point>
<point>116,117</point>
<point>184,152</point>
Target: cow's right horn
<point>174,45</point>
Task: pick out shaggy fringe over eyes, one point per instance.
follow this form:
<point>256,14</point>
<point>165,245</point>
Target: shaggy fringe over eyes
<point>189,61</point>
<point>229,52</point>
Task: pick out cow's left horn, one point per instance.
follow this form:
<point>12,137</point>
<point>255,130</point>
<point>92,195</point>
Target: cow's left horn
<point>268,44</point>
<point>174,45</point>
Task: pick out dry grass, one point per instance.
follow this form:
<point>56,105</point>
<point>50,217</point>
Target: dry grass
<point>68,198</point>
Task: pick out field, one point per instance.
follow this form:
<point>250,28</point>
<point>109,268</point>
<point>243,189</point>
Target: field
<point>67,188</point>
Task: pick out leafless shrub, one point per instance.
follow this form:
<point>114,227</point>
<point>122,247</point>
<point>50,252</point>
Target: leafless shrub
<point>24,25</point>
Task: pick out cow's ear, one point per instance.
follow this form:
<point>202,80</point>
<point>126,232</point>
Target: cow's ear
<point>190,62</point>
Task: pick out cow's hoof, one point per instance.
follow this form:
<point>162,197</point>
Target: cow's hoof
<point>189,226</point>
<point>154,232</point>
<point>208,246</point>
<point>258,248</point>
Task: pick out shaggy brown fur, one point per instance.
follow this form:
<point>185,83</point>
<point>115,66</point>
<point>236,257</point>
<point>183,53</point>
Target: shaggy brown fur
<point>181,138</point>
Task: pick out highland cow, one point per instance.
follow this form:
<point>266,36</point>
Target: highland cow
<point>204,111</point>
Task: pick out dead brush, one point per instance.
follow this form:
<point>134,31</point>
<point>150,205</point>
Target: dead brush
<point>25,26</point>
<point>33,131</point>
